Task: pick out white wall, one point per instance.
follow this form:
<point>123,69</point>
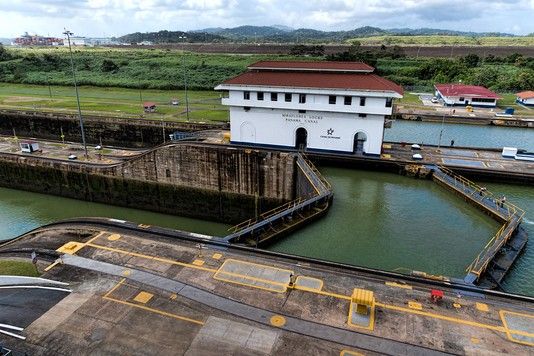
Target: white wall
<point>467,100</point>
<point>278,127</point>
<point>316,102</point>
<point>529,101</point>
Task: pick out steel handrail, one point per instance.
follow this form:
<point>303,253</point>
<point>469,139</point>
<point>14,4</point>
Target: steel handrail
<point>510,208</point>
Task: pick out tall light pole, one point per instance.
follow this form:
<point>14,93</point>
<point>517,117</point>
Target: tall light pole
<point>185,76</point>
<point>68,34</point>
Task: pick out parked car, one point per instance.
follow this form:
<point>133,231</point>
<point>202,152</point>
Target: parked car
<point>434,100</point>
<point>73,157</point>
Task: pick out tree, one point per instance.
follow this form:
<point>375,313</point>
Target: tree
<point>4,54</point>
<point>471,60</point>
<point>109,66</point>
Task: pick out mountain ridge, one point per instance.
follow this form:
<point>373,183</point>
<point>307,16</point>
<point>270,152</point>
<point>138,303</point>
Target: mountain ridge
<point>284,34</point>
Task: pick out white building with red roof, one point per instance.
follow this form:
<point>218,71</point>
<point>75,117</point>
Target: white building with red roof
<point>334,106</point>
<point>525,97</point>
<point>461,94</point>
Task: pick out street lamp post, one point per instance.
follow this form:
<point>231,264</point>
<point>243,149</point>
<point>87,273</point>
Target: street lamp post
<point>68,34</point>
<point>185,77</point>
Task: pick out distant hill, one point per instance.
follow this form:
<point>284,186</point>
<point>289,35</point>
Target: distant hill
<point>284,34</point>
<point>435,31</point>
<point>5,41</point>
<point>169,37</point>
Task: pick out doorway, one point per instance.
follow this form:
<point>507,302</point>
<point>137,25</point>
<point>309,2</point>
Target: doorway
<point>301,138</point>
<point>359,141</point>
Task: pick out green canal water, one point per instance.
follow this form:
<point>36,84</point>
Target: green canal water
<point>21,211</point>
<point>377,220</point>
<point>463,135</point>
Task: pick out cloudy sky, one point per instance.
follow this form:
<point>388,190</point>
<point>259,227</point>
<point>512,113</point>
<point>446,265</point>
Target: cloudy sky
<point>117,17</point>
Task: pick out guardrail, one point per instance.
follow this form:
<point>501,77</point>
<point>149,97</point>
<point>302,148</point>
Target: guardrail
<point>268,219</point>
<point>506,207</point>
<point>506,211</point>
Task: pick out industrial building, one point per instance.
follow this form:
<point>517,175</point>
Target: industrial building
<point>461,94</point>
<point>525,98</point>
<point>329,106</point>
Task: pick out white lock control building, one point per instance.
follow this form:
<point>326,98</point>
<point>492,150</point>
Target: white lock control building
<point>332,106</point>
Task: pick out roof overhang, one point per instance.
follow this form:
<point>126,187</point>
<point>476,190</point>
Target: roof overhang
<point>312,69</point>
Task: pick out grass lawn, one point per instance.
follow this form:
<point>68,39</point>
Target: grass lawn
<point>18,268</point>
<point>203,105</point>
<point>411,99</point>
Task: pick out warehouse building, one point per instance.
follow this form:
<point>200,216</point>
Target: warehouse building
<point>525,98</point>
<point>461,94</point>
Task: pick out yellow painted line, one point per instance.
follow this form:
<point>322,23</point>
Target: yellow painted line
<point>319,292</point>
<point>164,260</point>
<point>114,288</point>
<point>217,256</point>
<point>441,317</point>
<point>52,265</point>
<point>143,297</point>
<point>322,292</point>
<point>230,260</point>
<point>511,332</point>
<point>283,286</point>
<point>198,262</point>
<point>482,307</point>
<point>398,285</point>
<point>95,237</point>
<point>157,311</point>
<point>415,305</point>
<point>222,275</point>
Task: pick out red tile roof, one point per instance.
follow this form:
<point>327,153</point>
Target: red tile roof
<point>149,103</point>
<point>316,80</point>
<point>312,66</point>
<point>529,94</point>
<point>466,90</point>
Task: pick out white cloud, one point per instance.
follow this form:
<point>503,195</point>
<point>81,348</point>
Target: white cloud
<point>117,17</point>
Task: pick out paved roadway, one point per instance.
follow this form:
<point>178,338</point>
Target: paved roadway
<point>20,306</point>
<point>316,330</point>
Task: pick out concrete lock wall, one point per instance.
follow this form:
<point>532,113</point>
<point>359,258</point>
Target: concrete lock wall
<point>126,132</point>
<point>203,193</point>
<point>226,169</point>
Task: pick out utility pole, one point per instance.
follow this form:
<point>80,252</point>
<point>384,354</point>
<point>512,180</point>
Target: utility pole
<point>140,96</point>
<point>185,76</point>
<point>68,34</point>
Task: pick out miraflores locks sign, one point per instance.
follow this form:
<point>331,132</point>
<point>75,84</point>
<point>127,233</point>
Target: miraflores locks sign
<point>309,119</point>
<point>302,118</point>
